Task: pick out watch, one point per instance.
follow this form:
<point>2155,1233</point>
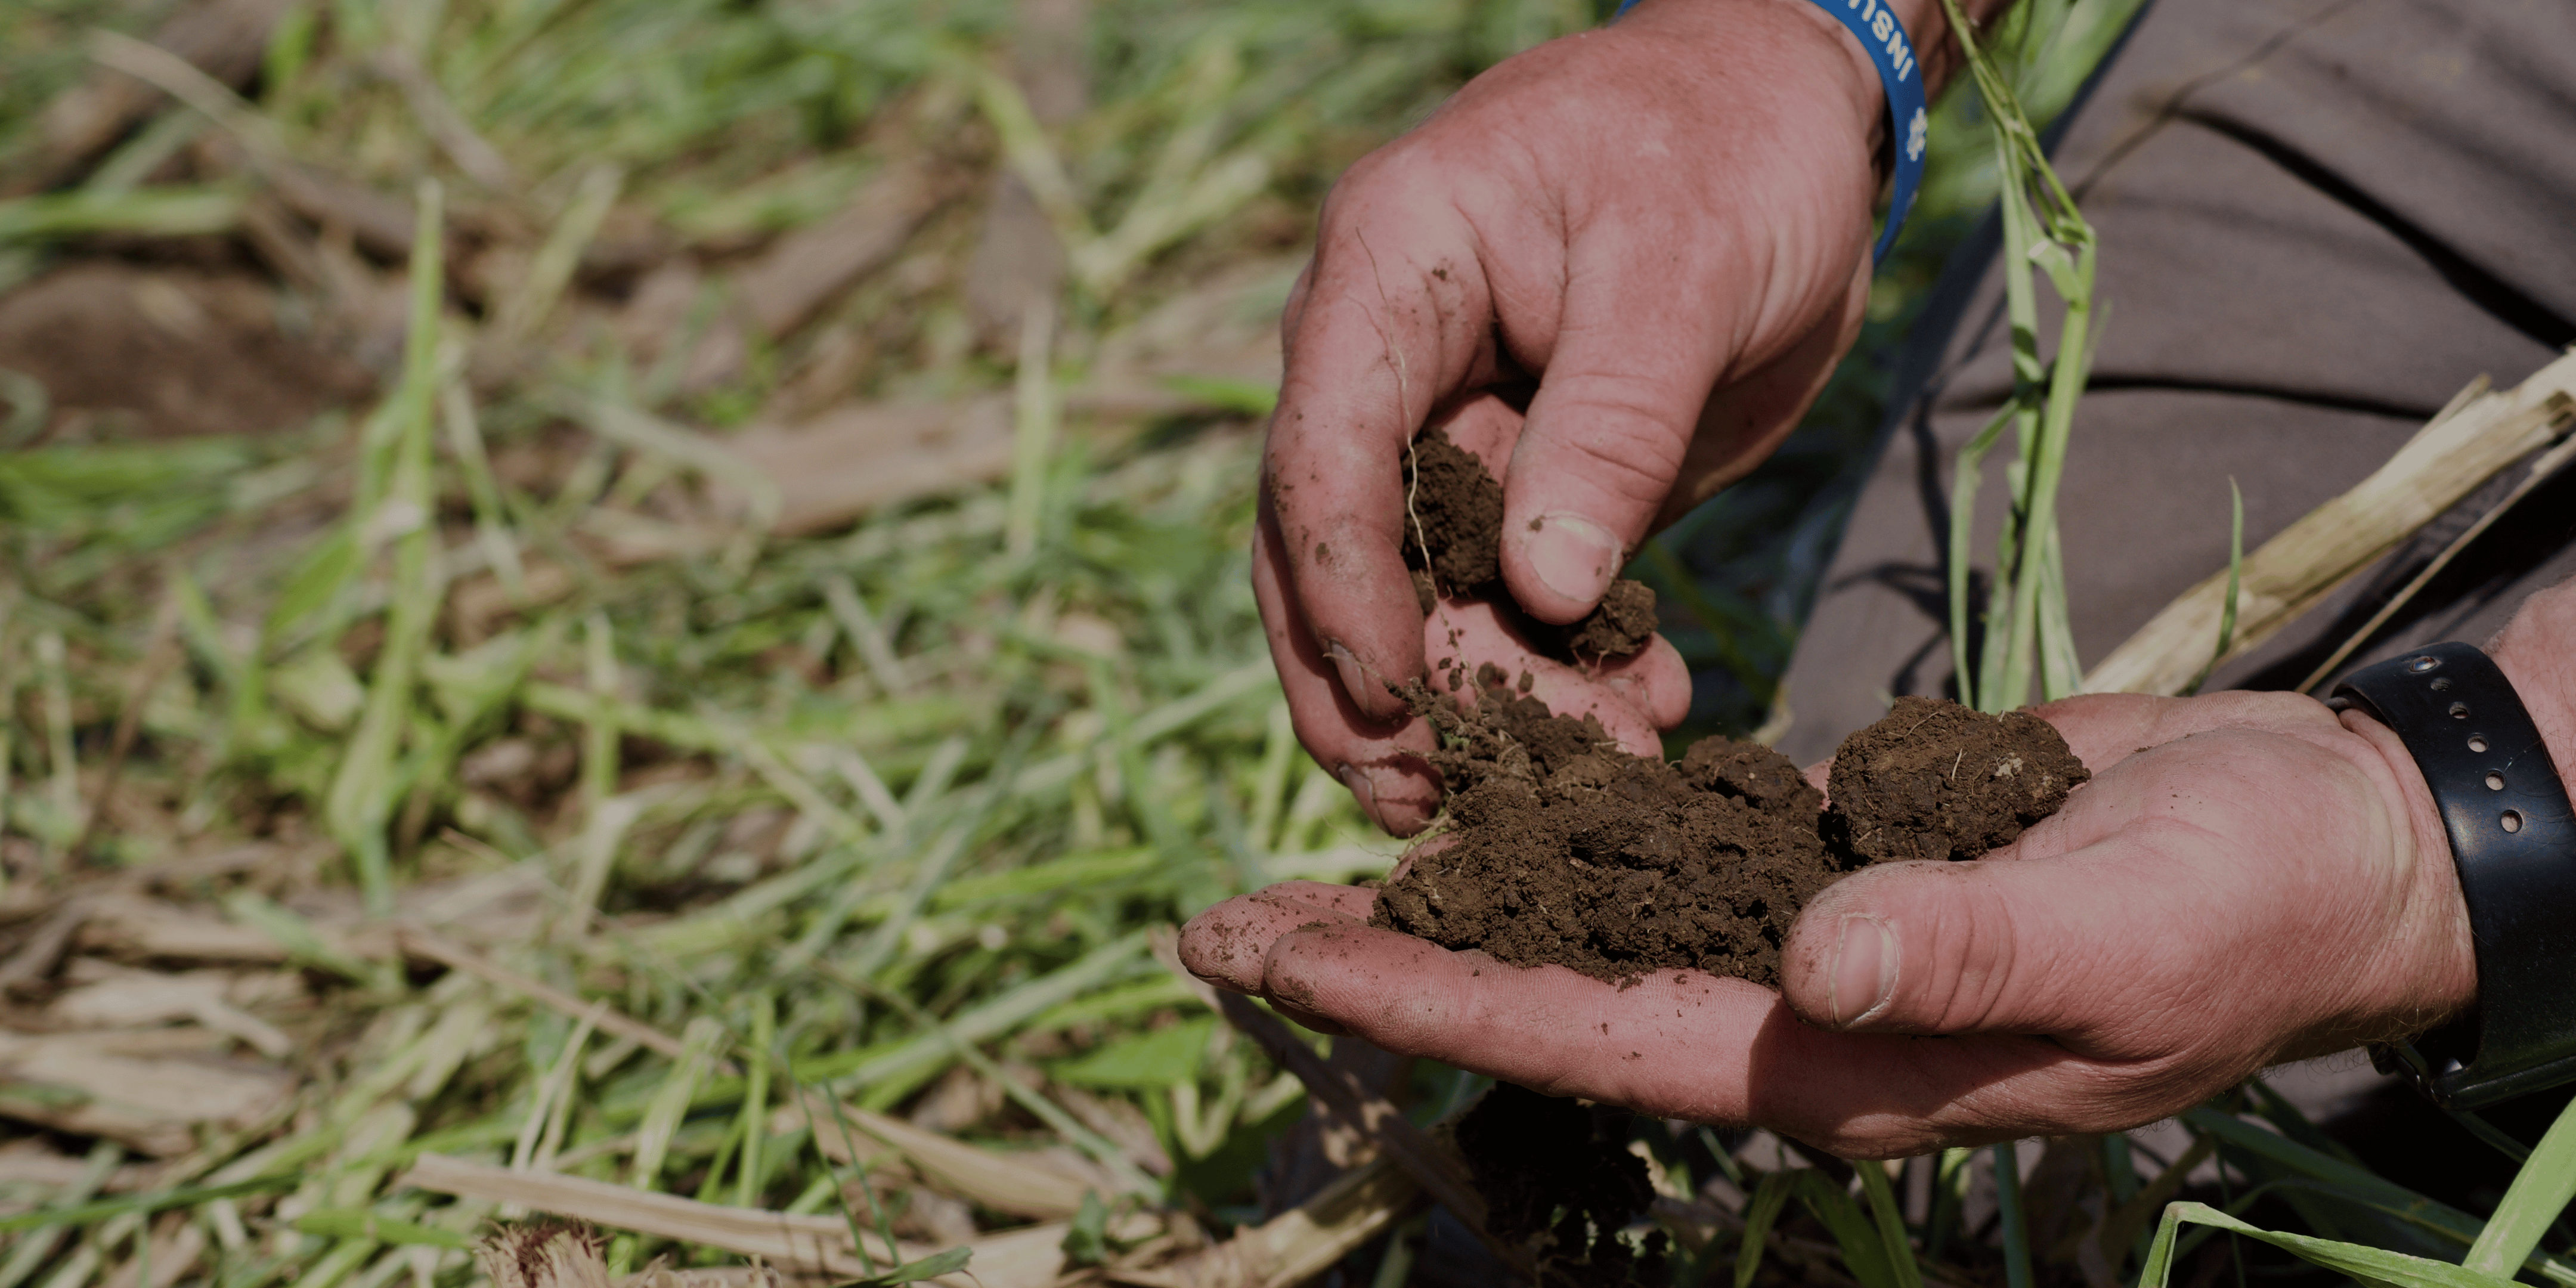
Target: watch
<point>2513,839</point>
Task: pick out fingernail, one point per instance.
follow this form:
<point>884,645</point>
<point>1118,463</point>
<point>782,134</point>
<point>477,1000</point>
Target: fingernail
<point>1354,679</point>
<point>1358,781</point>
<point>1573,556</point>
<point>1864,970</point>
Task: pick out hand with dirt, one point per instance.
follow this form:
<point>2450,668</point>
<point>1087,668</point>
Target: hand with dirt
<point>2247,879</point>
<point>1618,268</point>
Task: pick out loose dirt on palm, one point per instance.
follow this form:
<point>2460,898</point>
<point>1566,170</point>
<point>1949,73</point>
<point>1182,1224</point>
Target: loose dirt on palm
<point>1563,848</point>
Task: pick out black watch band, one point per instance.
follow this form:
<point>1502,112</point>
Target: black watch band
<point>2513,839</point>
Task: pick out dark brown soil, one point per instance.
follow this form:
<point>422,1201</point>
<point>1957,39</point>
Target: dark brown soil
<point>1455,513</point>
<point>1555,1182</point>
<point>1566,849</point>
<point>1562,848</point>
<point>1935,780</point>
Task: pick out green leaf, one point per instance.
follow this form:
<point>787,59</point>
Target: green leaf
<point>1759,1215</point>
<point>2402,1210</point>
<point>1242,397</point>
<point>1863,1254</point>
<point>1086,1240</point>
<point>1151,1060</point>
<point>2539,1192</point>
<point>356,1223</point>
<point>319,576</point>
<point>931,1267</point>
<point>104,1209</point>
<point>2235,572</point>
<point>1890,1217</point>
<point>2369,1265</point>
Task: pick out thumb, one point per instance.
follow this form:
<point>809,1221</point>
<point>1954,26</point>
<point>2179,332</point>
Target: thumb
<point>2000,945</point>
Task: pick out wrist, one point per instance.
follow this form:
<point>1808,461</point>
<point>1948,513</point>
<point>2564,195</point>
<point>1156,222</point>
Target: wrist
<point>2432,958</point>
<point>2473,724</point>
<point>1786,42</point>
<point>2537,651</point>
<point>1926,23</point>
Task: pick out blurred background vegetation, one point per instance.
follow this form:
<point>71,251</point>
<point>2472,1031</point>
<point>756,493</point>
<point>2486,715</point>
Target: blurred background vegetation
<point>749,569</point>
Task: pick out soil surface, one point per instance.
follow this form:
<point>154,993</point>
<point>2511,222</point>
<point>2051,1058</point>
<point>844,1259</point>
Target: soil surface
<point>1555,1181</point>
<point>1456,517</point>
<point>1564,848</point>
<point>125,351</point>
<point>1935,780</point>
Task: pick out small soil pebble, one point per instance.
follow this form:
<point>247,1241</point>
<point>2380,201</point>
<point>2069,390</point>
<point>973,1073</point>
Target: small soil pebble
<point>1555,1182</point>
<point>1935,780</point>
<point>1564,848</point>
<point>1454,514</point>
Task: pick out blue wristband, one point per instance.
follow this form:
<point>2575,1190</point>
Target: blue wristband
<point>1889,50</point>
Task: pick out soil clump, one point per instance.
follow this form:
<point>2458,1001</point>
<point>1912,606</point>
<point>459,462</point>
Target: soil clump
<point>1564,848</point>
<point>1455,521</point>
<point>1935,780</point>
<point>1556,1182</point>
<point>1567,849</point>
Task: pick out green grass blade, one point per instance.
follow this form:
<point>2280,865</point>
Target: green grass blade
<point>360,805</point>
<point>2235,571</point>
<point>2016,1224</point>
<point>2365,1264</point>
<point>1863,1252</point>
<point>353,1223</point>
<point>755,1099</point>
<point>930,1267</point>
<point>1890,1216</point>
<point>1966,475</point>
<point>1759,1216</point>
<point>2540,1191</point>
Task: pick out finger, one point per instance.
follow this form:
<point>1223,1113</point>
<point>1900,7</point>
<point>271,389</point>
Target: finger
<point>2107,923</point>
<point>1654,680</point>
<point>1379,761</point>
<point>1633,697</point>
<point>1392,321</point>
<point>1420,850</point>
<point>1226,944</point>
<point>1681,1044</point>
<point>1633,361</point>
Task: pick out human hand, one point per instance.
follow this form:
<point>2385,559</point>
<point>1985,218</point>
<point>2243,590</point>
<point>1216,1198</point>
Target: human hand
<point>2246,880</point>
<point>1665,223</point>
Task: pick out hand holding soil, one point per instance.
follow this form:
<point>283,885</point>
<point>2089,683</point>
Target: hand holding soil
<point>2245,880</point>
<point>1601,283</point>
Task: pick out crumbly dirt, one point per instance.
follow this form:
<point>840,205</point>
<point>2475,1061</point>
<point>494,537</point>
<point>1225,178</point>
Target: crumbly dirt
<point>1564,848</point>
<point>1454,514</point>
<point>1554,1181</point>
<point>1935,780</point>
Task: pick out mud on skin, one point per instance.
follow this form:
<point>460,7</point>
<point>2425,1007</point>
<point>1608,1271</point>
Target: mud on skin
<point>1454,545</point>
